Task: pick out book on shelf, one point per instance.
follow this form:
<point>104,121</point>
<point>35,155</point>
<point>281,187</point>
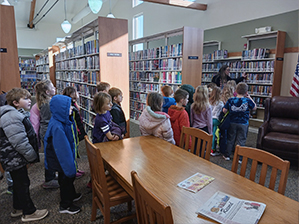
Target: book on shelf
<point>225,208</point>
<point>256,53</point>
<point>196,182</point>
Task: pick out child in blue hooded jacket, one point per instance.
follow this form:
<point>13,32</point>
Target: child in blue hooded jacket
<point>60,153</point>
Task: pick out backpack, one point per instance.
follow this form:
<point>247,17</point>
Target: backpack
<point>224,121</point>
<point>2,98</point>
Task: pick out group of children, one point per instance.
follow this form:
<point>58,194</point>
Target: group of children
<point>165,116</point>
<point>55,119</point>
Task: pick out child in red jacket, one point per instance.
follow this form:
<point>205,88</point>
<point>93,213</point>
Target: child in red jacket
<point>178,115</point>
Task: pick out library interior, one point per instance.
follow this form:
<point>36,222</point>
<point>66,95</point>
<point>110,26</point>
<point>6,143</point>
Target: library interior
<point>140,47</point>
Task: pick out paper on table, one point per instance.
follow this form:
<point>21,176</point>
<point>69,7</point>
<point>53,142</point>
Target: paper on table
<point>225,208</point>
<point>196,182</point>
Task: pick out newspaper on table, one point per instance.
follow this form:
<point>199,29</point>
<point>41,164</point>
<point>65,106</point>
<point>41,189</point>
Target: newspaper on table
<point>224,208</point>
<point>196,182</point>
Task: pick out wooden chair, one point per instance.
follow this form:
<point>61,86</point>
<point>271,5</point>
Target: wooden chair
<point>201,142</point>
<point>106,192</point>
<point>150,209</point>
<point>267,159</point>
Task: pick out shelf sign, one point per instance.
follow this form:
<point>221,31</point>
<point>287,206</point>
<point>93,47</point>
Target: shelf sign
<point>193,57</point>
<point>114,54</point>
<point>3,50</point>
<point>279,59</point>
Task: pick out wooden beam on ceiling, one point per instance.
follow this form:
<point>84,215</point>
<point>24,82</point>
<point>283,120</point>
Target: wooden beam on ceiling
<point>181,3</point>
<point>31,16</point>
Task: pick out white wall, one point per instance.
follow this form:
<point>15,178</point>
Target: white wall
<point>289,67</point>
<point>160,18</point>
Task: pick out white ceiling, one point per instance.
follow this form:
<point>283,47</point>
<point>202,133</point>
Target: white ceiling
<point>56,14</point>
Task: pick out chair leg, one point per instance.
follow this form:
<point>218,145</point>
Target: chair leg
<point>107,215</point>
<point>129,205</point>
<point>93,210</point>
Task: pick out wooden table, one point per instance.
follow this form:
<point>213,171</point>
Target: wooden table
<point>161,166</point>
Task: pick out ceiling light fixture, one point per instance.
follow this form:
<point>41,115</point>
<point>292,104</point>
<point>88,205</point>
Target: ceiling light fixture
<point>110,15</point>
<point>65,25</point>
<point>5,2</point>
<point>80,15</point>
<point>95,5</point>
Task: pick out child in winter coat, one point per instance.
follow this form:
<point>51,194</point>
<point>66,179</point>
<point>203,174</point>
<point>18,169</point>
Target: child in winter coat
<point>19,147</point>
<point>60,153</point>
<point>178,115</point>
<point>153,121</point>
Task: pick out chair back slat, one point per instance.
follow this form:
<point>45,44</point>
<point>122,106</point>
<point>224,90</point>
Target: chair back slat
<point>273,178</point>
<point>267,159</point>
<point>98,177</point>
<point>253,170</point>
<point>201,141</point>
<point>150,209</point>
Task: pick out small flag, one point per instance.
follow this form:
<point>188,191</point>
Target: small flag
<point>294,91</point>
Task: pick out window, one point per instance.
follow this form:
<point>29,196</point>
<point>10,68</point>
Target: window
<point>138,30</point>
<point>136,2</point>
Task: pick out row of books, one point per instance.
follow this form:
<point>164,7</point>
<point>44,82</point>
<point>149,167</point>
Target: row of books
<point>207,77</point>
<point>137,105</point>
<point>138,96</point>
<point>256,53</point>
<point>260,90</point>
<point>214,67</point>
<point>29,85</point>
<point>89,77</point>
<point>258,66</point>
<point>241,66</point>
<point>259,101</point>
<point>83,90</point>
<point>42,76</point>
<point>27,61</point>
<point>266,78</point>
<point>90,62</point>
<point>173,50</point>
<point>134,114</point>
<point>162,77</point>
<point>159,64</point>
<point>216,55</point>
<point>42,60</point>
<point>87,117</point>
<point>43,68</point>
<point>145,87</point>
<point>26,67</point>
<point>89,47</point>
<point>28,77</point>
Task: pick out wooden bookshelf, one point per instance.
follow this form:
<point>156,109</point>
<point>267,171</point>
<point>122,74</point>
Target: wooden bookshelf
<point>9,63</point>
<point>263,73</point>
<point>94,53</point>
<point>173,65</point>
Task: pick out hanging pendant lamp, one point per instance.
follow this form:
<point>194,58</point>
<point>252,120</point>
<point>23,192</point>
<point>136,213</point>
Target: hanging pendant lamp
<point>65,25</point>
<point>110,15</point>
<point>95,5</point>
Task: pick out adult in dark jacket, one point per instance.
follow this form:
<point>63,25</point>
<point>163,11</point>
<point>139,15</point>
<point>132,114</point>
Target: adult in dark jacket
<point>223,77</point>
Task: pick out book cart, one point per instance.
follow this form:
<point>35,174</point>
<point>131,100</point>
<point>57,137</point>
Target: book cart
<point>264,69</point>
<point>27,73</point>
<point>96,52</point>
<point>168,63</point>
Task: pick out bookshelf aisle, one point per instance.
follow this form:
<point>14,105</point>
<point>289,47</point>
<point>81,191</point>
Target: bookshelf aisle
<point>85,59</point>
<point>264,69</point>
<point>27,73</point>
<point>171,64</point>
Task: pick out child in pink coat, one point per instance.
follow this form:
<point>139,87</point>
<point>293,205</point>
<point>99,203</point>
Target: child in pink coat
<point>155,122</point>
